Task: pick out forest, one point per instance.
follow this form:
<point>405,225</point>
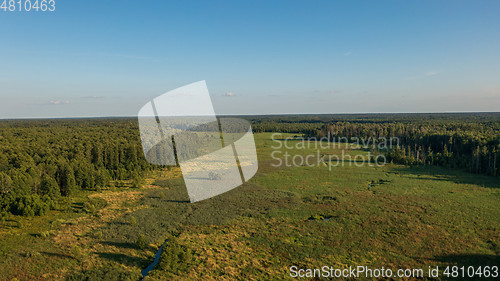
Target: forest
<point>471,146</point>
<point>80,192</point>
<point>470,142</point>
<point>42,160</point>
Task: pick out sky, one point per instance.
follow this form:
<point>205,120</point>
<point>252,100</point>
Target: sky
<point>109,58</point>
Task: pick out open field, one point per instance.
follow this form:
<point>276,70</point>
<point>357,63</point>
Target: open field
<point>393,216</point>
<point>310,217</point>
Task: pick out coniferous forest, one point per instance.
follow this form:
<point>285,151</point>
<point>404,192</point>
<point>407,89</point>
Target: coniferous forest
<point>43,160</point>
<point>470,142</point>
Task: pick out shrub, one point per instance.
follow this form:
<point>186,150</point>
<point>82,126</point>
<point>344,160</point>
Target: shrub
<point>30,205</point>
<point>76,251</point>
<point>45,234</point>
<point>3,215</point>
<point>89,208</point>
<point>175,258</point>
<point>316,217</point>
<point>30,254</point>
<point>137,180</point>
<point>133,220</point>
<point>141,242</point>
<point>57,222</point>
<point>98,234</point>
<point>50,202</point>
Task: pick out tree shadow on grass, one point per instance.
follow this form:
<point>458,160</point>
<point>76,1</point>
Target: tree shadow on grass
<point>124,259</point>
<point>120,222</point>
<point>475,261</point>
<point>446,174</point>
<point>127,245</point>
<point>59,255</point>
<point>77,207</point>
<point>124,245</point>
<point>178,201</point>
<point>470,260</point>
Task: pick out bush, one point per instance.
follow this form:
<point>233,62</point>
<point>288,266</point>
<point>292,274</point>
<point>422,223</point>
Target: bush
<point>133,220</point>
<point>45,234</point>
<point>76,251</point>
<point>57,222</point>
<point>138,180</point>
<point>141,242</point>
<point>93,205</point>
<point>3,215</point>
<point>50,202</point>
<point>316,217</point>
<point>175,258</point>
<point>98,234</point>
<point>30,205</point>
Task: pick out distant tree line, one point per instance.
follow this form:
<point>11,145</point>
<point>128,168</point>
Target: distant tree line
<point>471,146</point>
<point>286,127</point>
<point>468,141</point>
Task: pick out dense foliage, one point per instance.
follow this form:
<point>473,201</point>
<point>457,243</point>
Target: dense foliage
<point>470,145</point>
<point>175,258</point>
<point>42,160</point>
<point>469,141</point>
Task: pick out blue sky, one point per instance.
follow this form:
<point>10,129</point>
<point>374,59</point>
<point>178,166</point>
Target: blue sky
<point>108,58</point>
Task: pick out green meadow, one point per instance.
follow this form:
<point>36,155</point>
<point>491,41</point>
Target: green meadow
<point>310,216</point>
<point>307,216</point>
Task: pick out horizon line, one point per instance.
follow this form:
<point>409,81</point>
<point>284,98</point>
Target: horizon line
<point>266,114</point>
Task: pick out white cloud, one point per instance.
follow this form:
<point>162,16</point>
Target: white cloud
<point>58,102</point>
<point>229,94</point>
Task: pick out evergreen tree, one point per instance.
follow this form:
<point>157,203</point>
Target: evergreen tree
<point>67,180</point>
<point>49,187</point>
<point>6,183</point>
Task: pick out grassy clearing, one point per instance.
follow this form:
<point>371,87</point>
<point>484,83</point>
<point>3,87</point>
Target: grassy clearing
<point>392,216</point>
<point>69,238</point>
